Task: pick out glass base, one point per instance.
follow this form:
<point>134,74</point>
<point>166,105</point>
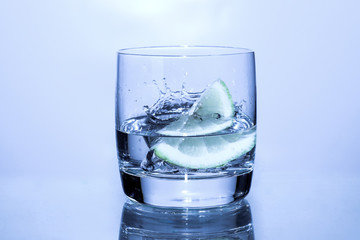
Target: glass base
<point>180,193</point>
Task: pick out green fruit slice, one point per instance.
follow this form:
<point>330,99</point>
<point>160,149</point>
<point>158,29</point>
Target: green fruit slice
<point>205,152</point>
<point>187,142</point>
<point>211,113</point>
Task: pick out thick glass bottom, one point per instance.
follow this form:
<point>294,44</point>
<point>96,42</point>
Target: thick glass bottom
<point>190,193</point>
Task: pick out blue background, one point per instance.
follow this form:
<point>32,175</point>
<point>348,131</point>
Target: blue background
<point>58,169</point>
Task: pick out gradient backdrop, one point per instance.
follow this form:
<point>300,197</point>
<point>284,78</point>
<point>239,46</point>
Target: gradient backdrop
<point>57,85</point>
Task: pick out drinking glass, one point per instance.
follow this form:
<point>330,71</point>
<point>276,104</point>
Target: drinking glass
<point>186,124</point>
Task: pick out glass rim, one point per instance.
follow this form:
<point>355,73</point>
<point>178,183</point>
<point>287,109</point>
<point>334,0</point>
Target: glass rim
<point>141,51</point>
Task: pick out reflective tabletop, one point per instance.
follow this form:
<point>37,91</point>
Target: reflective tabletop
<point>282,204</point>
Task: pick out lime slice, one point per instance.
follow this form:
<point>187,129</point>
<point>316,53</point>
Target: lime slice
<point>187,145</point>
<point>205,152</point>
<point>211,113</point>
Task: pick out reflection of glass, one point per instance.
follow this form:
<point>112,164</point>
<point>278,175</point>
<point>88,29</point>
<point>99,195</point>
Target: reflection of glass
<point>186,124</point>
<point>231,222</point>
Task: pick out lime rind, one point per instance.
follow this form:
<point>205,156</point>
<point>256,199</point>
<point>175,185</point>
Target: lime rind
<point>229,95</point>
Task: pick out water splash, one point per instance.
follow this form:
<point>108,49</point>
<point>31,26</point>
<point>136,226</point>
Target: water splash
<point>241,121</point>
<point>171,104</point>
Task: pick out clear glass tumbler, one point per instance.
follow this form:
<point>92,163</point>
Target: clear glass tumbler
<point>186,124</point>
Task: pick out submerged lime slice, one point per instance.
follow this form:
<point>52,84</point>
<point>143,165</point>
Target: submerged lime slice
<point>205,152</point>
<point>211,113</point>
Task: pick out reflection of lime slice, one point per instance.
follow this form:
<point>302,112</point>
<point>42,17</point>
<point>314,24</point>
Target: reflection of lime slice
<point>211,113</point>
<point>204,152</point>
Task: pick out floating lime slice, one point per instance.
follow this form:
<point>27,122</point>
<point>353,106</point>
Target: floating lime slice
<point>205,152</point>
<point>212,112</point>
